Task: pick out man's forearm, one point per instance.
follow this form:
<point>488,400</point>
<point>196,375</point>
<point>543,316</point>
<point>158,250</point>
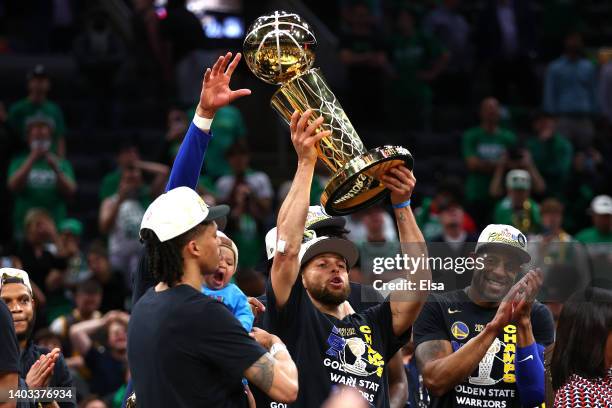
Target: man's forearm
<point>442,374</point>
<point>292,215</point>
<point>524,334</point>
<point>17,180</point>
<point>188,163</point>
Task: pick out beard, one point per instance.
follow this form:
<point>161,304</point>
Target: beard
<point>327,297</point>
<point>25,335</point>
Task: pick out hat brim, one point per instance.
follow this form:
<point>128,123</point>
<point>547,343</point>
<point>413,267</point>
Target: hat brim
<point>218,213</point>
<point>337,222</point>
<point>340,246</point>
<point>522,254</point>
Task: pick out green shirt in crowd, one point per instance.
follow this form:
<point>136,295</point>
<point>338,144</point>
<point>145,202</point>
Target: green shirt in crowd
<point>526,220</point>
<point>21,110</point>
<point>40,190</point>
<point>553,158</point>
<point>485,146</point>
<point>411,55</point>
<point>593,236</point>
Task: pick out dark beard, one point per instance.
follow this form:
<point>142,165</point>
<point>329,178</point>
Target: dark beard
<point>328,298</point>
<point>25,336</point>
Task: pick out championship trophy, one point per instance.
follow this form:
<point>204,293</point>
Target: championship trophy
<point>279,49</point>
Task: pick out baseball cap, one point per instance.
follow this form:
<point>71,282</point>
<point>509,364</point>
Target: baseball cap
<point>177,211</point>
<point>602,204</point>
<point>504,237</point>
<point>39,118</point>
<point>325,244</point>
<point>316,218</point>
<point>518,179</point>
<point>15,274</point>
<point>71,225</point>
<point>39,71</point>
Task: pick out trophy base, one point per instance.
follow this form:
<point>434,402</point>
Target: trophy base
<point>356,185</point>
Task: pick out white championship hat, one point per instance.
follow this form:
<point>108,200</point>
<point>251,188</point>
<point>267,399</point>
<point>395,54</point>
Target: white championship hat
<point>177,211</point>
<point>16,274</point>
<point>505,237</point>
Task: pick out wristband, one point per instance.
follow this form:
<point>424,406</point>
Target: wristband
<point>202,123</point>
<point>277,347</point>
<point>401,205</point>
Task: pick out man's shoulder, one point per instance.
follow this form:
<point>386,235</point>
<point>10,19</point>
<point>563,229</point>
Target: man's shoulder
<point>586,234</point>
<point>454,297</point>
<point>473,133</point>
<point>19,105</point>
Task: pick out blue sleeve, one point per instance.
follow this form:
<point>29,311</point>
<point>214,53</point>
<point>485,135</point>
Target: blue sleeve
<point>188,163</point>
<point>530,375</point>
<point>242,310</point>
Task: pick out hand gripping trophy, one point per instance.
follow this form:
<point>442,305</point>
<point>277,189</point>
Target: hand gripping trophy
<point>279,49</point>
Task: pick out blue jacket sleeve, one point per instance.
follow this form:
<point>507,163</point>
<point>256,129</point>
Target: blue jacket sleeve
<point>242,310</point>
<point>530,375</point>
<point>188,163</point>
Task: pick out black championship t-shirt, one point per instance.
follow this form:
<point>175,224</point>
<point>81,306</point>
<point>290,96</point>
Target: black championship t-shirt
<point>454,317</point>
<point>187,350</point>
<point>330,352</point>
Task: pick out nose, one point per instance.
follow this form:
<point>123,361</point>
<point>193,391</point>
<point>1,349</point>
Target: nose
<point>15,307</point>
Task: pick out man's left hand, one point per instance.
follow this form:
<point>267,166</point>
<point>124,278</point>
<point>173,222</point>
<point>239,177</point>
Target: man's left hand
<point>401,182</point>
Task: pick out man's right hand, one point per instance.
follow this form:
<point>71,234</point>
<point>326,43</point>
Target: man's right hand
<point>216,92</point>
<point>41,371</point>
<point>303,136</point>
<point>265,339</point>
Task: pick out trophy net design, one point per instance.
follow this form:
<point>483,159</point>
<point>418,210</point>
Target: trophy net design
<point>279,49</point>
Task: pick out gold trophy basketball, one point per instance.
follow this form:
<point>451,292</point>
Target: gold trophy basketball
<point>279,49</point>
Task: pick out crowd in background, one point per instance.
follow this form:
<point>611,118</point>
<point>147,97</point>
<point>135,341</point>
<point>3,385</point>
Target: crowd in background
<point>538,159</point>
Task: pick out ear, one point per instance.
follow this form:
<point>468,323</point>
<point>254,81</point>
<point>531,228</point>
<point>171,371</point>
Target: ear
<point>304,281</point>
<point>192,249</point>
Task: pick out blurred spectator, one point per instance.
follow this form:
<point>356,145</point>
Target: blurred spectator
<point>374,232</point>
<point>128,158</point>
<point>581,366</point>
<point>551,153</point>
<point>362,51</point>
<point>483,147</point>
<point>601,216</point>
<point>43,258</point>
<point>114,289</point>
<point>559,17</point>
<point>176,127</point>
<point>418,59</point>
<point>8,147</point>
<point>108,364</point>
<point>99,53</point>
<point>88,298</point>
<point>93,401</point>
<point>517,208</point>
<point>228,128</point>
<point>506,39</point>
<point>185,40</point>
<point>454,242</point>
<point>249,194</point>
<point>445,23</point>
<point>428,214</point>
<point>516,158</point>
<point>417,392</point>
<point>551,213</point>
<point>16,292</point>
<point>120,216</point>
<point>40,178</point>
<point>36,103</point>
<point>569,92</point>
<point>70,231</point>
<point>605,91</point>
<point>149,65</point>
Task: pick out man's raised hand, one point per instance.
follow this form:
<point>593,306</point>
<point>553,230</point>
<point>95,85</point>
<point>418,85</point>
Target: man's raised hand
<point>303,135</point>
<point>216,92</point>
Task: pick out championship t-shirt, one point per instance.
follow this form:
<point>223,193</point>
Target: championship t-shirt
<point>330,352</point>
<point>186,349</point>
<point>454,317</point>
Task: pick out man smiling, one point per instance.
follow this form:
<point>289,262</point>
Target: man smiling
<point>482,346</point>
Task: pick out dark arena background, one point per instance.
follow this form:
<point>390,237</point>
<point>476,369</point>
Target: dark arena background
<point>505,106</point>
